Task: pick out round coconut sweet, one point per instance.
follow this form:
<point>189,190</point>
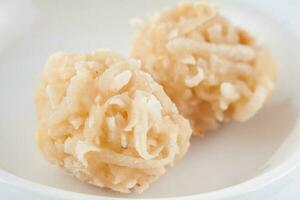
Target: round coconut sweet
<point>213,70</point>
<point>106,122</point>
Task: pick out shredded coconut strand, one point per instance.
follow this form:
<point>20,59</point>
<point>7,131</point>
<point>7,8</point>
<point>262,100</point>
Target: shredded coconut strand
<point>195,80</point>
<point>229,91</point>
<point>81,149</point>
<point>120,80</point>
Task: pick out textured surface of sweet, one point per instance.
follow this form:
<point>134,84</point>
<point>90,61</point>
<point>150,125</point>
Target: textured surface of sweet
<point>213,70</point>
<point>106,122</point>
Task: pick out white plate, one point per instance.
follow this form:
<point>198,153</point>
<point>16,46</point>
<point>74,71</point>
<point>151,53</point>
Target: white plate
<point>237,159</point>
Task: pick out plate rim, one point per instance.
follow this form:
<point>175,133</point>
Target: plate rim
<point>259,182</point>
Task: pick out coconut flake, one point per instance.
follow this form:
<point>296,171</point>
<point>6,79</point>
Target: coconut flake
<point>229,91</point>
<point>82,148</point>
<point>69,146</point>
<point>215,33</point>
<point>120,80</point>
<point>134,62</point>
<point>123,140</point>
<point>76,122</point>
<point>195,80</point>
<point>138,100</point>
<point>188,59</point>
<point>50,91</point>
<point>111,125</point>
<point>116,100</point>
<point>91,122</point>
<point>92,65</point>
<point>154,108</point>
<point>173,34</point>
<point>223,104</point>
<point>131,183</point>
<point>253,105</point>
<point>97,99</point>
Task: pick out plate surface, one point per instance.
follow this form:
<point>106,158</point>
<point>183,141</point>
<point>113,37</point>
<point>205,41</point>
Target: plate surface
<point>232,155</point>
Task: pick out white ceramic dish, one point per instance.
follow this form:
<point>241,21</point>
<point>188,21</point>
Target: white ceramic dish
<point>236,160</point>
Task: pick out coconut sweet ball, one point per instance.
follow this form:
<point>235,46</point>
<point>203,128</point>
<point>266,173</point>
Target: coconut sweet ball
<point>211,69</point>
<point>106,122</point>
